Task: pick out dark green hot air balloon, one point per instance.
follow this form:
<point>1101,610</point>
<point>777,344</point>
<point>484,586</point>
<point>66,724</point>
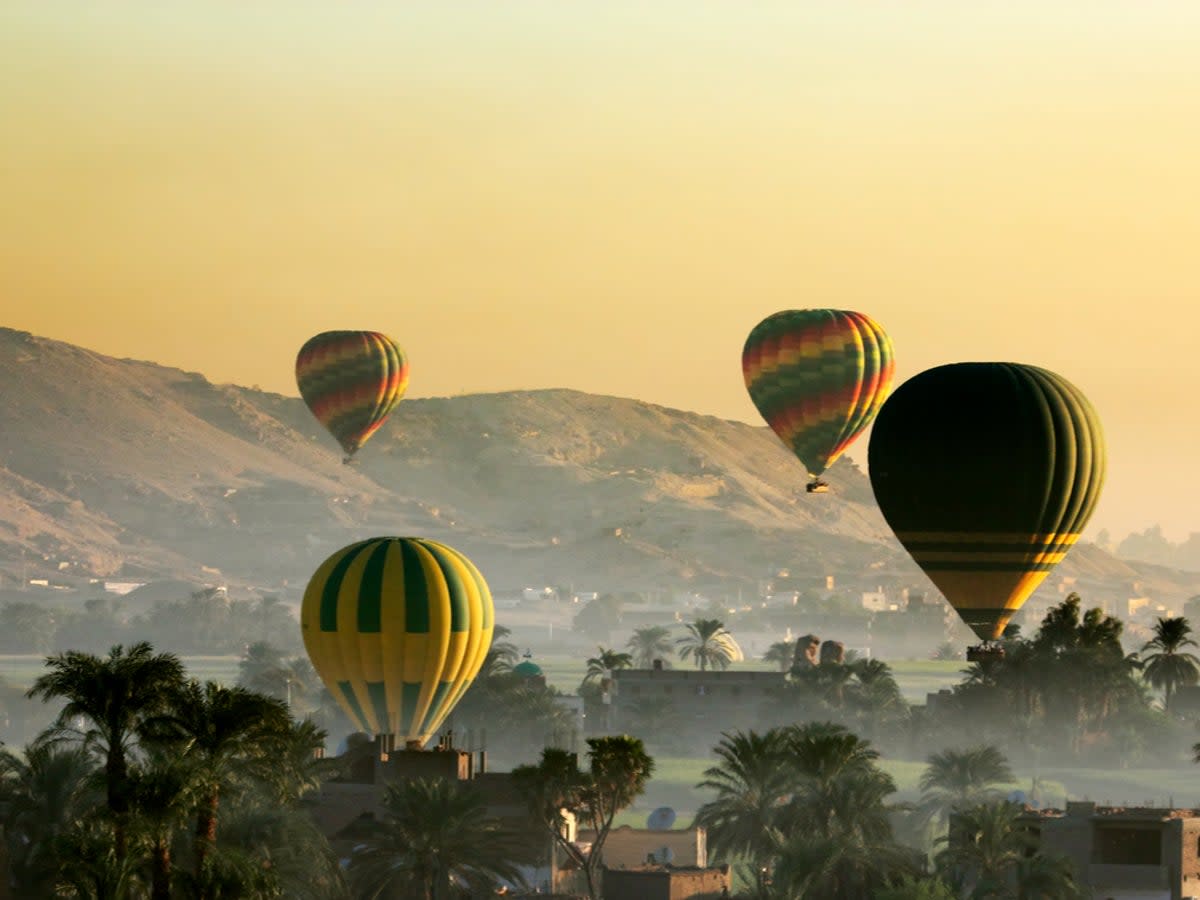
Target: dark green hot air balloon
<point>987,473</point>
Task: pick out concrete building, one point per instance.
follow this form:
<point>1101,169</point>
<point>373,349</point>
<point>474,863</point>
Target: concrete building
<point>343,807</point>
<point>666,883</point>
<point>878,600</point>
<point>628,848</point>
<point>1124,853</point>
<point>702,703</point>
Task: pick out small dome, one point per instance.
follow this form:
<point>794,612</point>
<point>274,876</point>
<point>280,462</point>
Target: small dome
<point>527,669</point>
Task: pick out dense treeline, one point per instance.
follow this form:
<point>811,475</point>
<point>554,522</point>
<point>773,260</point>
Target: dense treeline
<point>1068,695</point>
<point>513,714</point>
<point>204,622</point>
<point>153,785</point>
<point>149,784</point>
<point>805,812</point>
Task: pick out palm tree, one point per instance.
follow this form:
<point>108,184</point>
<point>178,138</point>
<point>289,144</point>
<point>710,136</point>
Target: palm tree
<point>226,734</point>
<point>501,655</point>
<point>44,796</point>
<point>92,868</point>
<point>299,765</point>
<point>985,842</point>
<point>751,780</point>
<point>842,793</point>
<point>434,833</point>
<point>844,866</point>
<point>877,695</point>
<point>163,797</point>
<point>1040,876</point>
<point>840,842</point>
<point>302,865</point>
<point>618,770</point>
<point>913,887</point>
<point>1169,666</point>
<point>1079,675</point>
<point>265,670</point>
<point>824,750</point>
<point>649,644</point>
<point>958,779</point>
<point>258,659</point>
<point>781,654</point>
<point>606,661</point>
<point>115,697</point>
<point>709,644</point>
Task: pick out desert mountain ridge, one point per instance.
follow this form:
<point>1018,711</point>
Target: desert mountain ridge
<point>127,470</point>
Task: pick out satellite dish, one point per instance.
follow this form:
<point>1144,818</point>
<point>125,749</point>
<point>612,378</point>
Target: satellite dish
<point>1017,797</point>
<point>661,819</point>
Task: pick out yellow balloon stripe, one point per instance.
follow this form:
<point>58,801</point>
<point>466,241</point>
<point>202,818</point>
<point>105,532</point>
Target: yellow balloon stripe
<point>479,600</point>
<point>392,637</point>
<point>984,537</point>
<point>360,660</point>
<point>437,641</point>
<point>952,556</point>
<point>325,645</point>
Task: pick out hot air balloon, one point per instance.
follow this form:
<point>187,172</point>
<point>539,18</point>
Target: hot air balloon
<point>397,628</point>
<point>351,380</point>
<point>987,473</point>
<point>818,376</point>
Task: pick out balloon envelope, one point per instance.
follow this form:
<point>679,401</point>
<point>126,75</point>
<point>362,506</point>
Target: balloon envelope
<point>351,380</point>
<point>818,377</point>
<point>987,473</point>
<point>397,628</point>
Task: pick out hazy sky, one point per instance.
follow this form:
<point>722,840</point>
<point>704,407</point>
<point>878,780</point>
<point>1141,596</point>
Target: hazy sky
<point>608,196</point>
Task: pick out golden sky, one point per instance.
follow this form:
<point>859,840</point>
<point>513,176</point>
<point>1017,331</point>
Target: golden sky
<point>609,195</point>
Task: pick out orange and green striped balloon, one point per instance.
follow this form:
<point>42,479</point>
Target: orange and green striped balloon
<point>351,380</point>
<point>818,376</point>
<point>397,628</point>
<point>987,473</point>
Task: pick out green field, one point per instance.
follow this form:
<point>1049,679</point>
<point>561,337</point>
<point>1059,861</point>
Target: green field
<point>916,677</point>
<point>675,779</point>
<point>22,670</point>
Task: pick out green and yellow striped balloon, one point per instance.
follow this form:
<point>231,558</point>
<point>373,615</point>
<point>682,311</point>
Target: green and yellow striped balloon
<point>351,380</point>
<point>818,377</point>
<point>987,473</point>
<point>397,628</point>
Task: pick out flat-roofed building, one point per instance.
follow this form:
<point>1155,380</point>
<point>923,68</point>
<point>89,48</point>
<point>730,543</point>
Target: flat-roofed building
<point>1123,853</point>
<point>703,704</point>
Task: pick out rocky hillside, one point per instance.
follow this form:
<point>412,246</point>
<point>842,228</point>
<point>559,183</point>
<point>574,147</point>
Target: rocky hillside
<point>129,470</point>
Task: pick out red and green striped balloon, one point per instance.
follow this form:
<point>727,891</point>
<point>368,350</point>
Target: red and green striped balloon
<point>818,376</point>
<point>351,380</point>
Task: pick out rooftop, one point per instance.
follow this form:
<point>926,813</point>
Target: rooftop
<point>1088,809</point>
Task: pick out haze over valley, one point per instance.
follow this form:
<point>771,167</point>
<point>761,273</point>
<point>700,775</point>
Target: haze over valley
<point>127,471</point>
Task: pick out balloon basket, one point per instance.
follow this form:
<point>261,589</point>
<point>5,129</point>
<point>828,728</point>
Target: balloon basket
<point>985,653</point>
<point>817,487</point>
